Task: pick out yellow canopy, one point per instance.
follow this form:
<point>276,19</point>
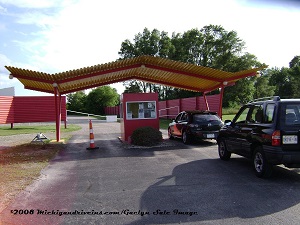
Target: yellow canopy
<point>146,68</point>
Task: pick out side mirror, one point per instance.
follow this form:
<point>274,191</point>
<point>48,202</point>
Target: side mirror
<point>227,122</point>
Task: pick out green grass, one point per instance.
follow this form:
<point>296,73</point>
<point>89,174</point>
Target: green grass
<point>227,117</point>
<point>20,166</point>
<point>22,129</point>
<point>99,117</point>
<point>164,123</point>
<point>230,110</point>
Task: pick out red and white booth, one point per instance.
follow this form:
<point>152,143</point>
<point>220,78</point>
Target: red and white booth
<point>138,110</point>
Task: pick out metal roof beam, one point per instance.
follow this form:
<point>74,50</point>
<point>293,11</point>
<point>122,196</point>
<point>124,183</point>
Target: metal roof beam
<point>39,89</point>
<point>99,73</point>
<point>94,85</point>
<point>168,84</point>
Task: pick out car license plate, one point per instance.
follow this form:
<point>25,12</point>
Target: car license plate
<point>210,136</point>
<point>290,139</point>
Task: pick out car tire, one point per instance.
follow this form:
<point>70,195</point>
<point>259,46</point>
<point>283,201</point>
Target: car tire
<point>186,138</point>
<point>170,134</point>
<point>262,168</point>
<point>224,154</point>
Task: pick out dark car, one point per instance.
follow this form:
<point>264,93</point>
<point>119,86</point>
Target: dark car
<point>195,124</point>
<point>266,131</point>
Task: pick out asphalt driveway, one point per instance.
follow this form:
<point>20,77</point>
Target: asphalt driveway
<point>118,184</point>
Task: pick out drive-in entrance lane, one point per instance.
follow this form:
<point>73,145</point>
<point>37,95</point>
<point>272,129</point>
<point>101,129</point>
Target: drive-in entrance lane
<point>177,184</point>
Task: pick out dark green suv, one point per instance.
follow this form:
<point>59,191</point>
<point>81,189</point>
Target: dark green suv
<point>265,130</point>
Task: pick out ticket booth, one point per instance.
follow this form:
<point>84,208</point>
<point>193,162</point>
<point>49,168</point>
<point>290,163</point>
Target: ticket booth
<point>138,110</point>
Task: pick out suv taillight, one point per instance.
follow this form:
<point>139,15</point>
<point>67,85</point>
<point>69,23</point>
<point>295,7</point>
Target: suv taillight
<point>276,138</point>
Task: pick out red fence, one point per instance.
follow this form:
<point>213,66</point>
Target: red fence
<point>6,109</point>
<point>27,109</point>
<point>112,110</point>
<point>170,108</point>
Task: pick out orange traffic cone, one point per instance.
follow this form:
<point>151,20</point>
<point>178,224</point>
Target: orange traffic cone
<point>92,142</point>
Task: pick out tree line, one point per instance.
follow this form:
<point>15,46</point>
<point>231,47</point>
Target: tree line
<point>94,102</point>
<point>211,46</point>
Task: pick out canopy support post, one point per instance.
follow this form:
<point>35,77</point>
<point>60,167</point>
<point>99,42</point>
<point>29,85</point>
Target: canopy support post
<point>57,111</point>
<point>205,99</point>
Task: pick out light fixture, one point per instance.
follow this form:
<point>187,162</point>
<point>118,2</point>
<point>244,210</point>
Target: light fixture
<point>143,66</point>
<point>11,76</point>
<point>225,83</point>
<point>54,84</point>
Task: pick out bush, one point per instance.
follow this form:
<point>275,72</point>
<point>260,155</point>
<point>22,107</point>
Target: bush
<point>146,136</point>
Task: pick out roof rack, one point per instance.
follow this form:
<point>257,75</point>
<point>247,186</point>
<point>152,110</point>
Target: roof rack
<point>274,98</point>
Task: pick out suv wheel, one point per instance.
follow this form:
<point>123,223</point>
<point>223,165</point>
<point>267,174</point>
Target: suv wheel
<point>261,167</point>
<point>170,134</point>
<point>224,154</point>
<point>186,138</point>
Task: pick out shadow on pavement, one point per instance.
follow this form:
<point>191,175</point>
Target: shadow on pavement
<point>196,192</point>
<point>111,147</point>
<point>196,143</point>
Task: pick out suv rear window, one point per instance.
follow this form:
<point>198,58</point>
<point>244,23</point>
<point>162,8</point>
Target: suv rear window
<point>290,114</point>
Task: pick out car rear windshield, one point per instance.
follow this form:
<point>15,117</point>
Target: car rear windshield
<point>203,118</point>
<point>290,114</point>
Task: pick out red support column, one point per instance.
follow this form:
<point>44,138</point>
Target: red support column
<point>66,119</point>
<point>57,112</point>
<point>206,103</point>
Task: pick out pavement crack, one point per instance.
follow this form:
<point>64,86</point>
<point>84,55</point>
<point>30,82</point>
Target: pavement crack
<point>85,194</point>
<point>89,185</point>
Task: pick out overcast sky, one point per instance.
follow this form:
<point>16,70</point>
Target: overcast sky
<point>58,35</point>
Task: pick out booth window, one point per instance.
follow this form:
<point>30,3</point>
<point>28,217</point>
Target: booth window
<point>141,110</point>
